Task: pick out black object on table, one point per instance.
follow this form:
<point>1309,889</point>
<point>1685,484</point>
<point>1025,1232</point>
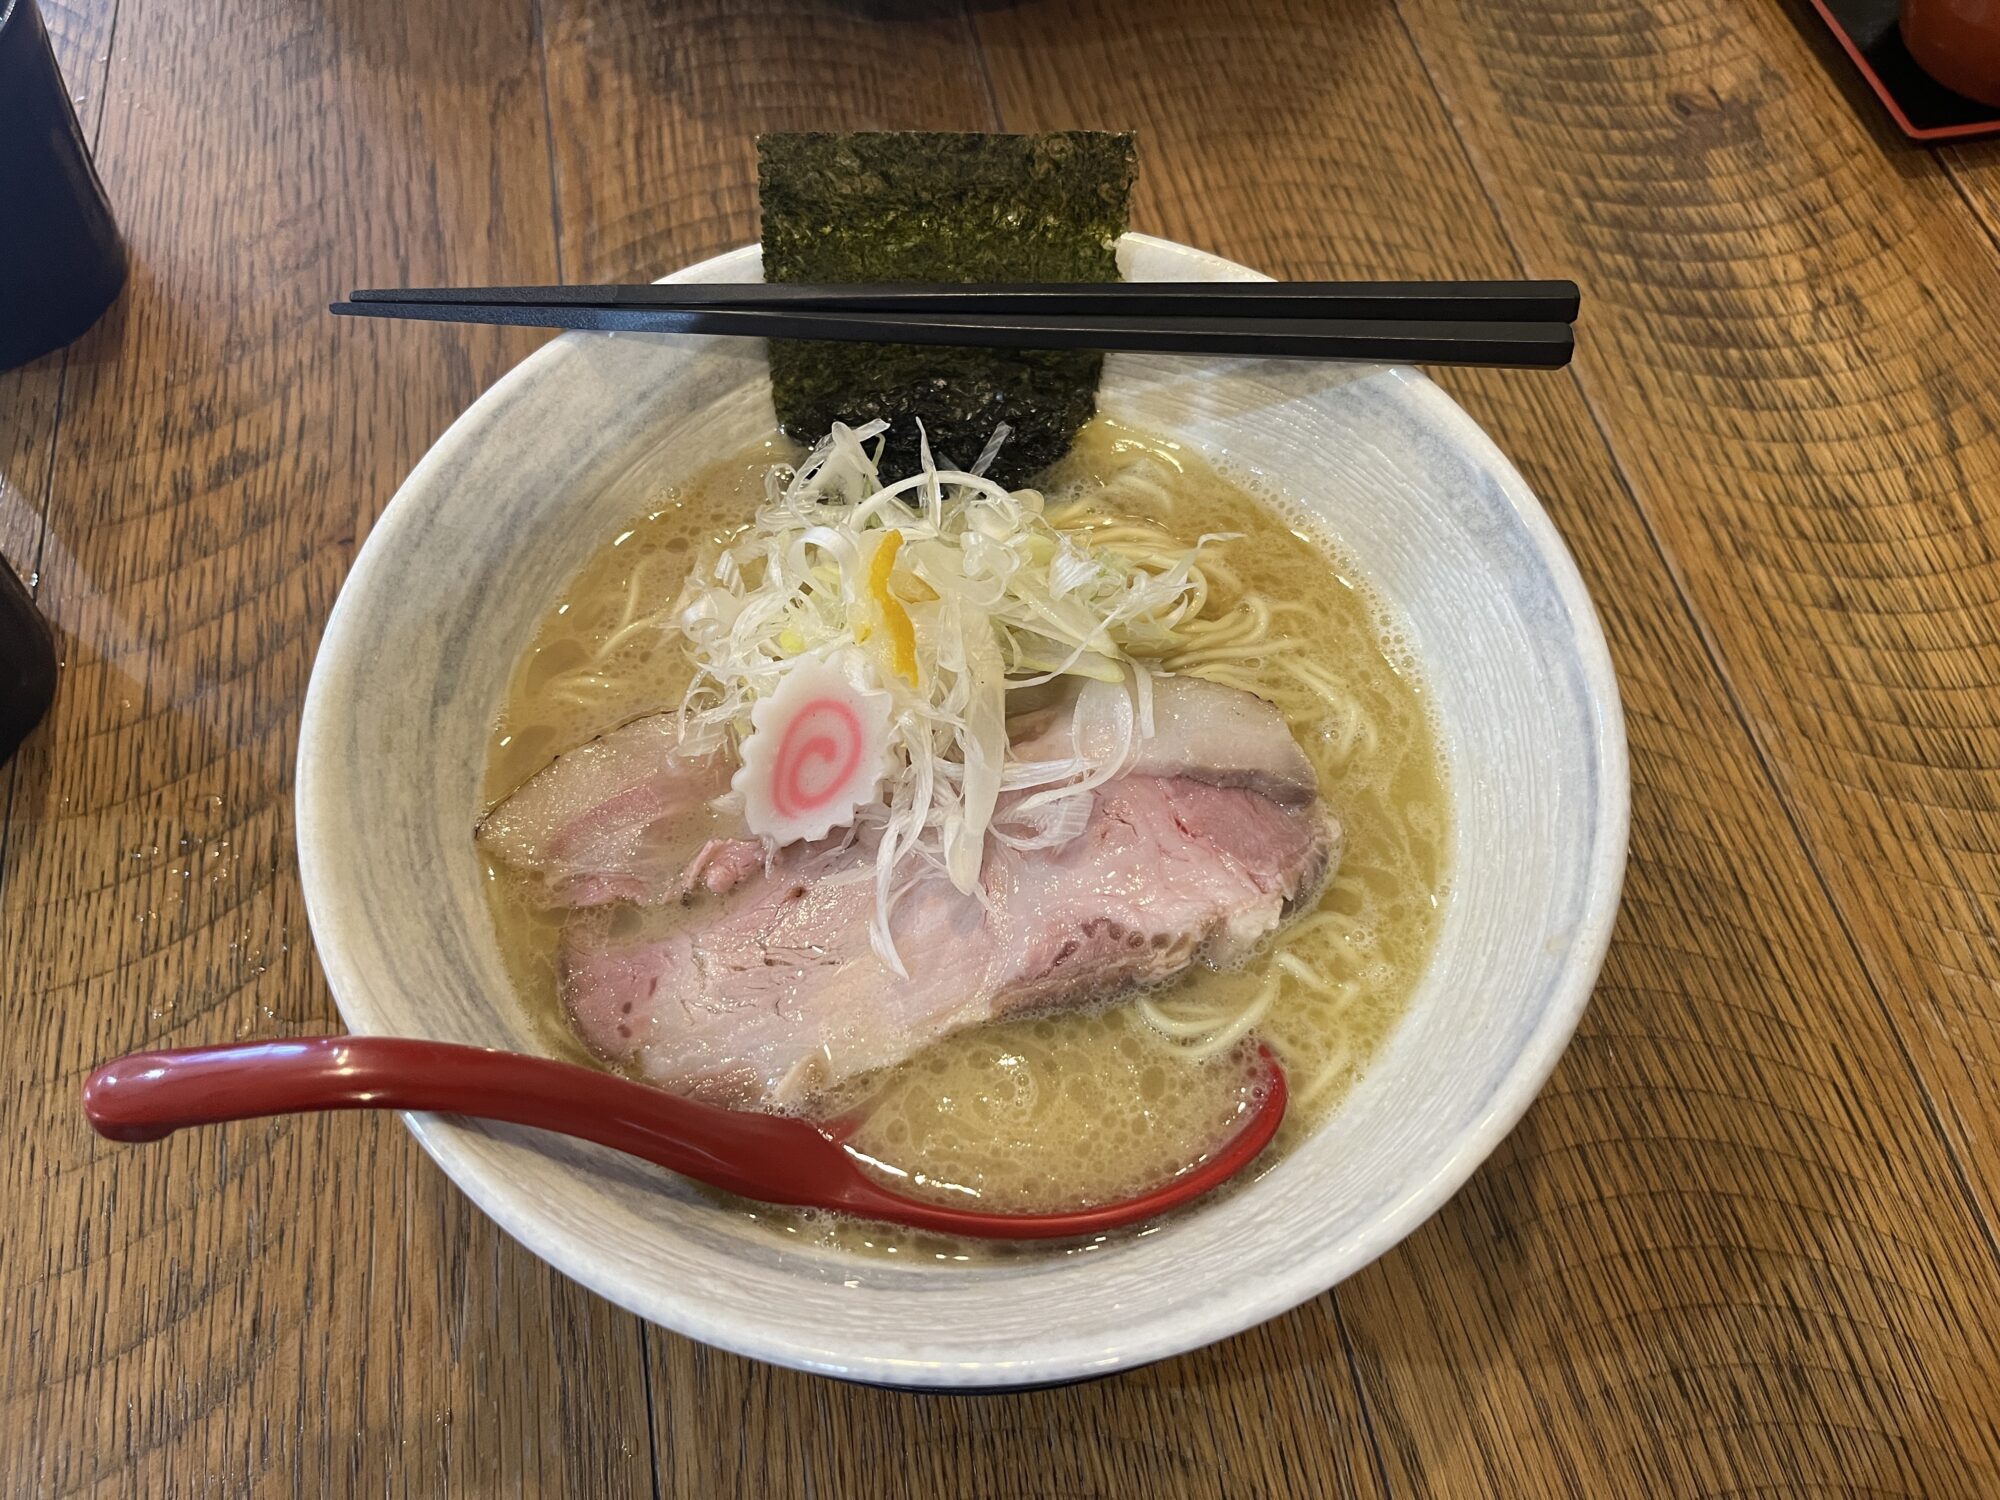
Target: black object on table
<point>27,663</point>
<point>61,261</point>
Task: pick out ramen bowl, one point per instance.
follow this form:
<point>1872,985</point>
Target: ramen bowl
<point>583,435</point>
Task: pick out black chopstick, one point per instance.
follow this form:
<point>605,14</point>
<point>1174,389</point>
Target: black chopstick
<point>1522,344</point>
<point>1447,301</point>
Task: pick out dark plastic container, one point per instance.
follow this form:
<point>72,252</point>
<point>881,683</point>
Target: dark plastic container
<point>27,663</point>
<point>61,261</point>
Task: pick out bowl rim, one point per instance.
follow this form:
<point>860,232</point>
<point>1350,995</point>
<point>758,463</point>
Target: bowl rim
<point>518,1212</point>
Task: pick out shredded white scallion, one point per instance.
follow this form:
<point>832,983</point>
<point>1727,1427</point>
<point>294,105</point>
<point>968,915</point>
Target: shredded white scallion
<point>986,596</point>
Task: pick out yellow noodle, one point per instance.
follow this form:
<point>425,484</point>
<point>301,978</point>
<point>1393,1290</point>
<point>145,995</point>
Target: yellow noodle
<point>1323,1079</point>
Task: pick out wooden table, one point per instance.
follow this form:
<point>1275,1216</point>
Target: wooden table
<point>1745,1242</point>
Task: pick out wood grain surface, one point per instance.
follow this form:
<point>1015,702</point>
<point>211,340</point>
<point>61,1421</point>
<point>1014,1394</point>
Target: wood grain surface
<point>1745,1242</point>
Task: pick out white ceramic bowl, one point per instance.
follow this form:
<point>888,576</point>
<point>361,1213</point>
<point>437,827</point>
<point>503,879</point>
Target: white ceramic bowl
<point>549,462</point>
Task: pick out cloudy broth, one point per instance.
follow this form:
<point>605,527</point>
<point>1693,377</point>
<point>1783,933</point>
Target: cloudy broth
<point>1081,1106</point>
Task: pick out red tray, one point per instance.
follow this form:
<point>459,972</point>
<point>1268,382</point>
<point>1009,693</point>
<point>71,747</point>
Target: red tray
<point>1923,108</point>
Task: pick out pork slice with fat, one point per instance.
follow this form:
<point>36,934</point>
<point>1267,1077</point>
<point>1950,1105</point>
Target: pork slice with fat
<point>612,820</point>
<point>774,992</point>
<point>615,819</point>
<point>1211,733</point>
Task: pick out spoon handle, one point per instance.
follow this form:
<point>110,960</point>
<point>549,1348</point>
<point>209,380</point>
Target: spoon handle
<point>149,1095</point>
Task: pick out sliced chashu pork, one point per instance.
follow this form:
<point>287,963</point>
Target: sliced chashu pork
<point>1214,734</point>
<point>608,821</point>
<point>1197,849</point>
<point>775,991</point>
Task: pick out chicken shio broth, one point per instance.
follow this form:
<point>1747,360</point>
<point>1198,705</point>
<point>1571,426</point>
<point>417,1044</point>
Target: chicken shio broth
<point>1073,1107</point>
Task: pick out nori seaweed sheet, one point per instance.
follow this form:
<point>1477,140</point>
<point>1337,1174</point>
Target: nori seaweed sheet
<point>942,206</point>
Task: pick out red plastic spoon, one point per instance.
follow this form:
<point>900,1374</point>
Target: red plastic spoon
<point>773,1158</point>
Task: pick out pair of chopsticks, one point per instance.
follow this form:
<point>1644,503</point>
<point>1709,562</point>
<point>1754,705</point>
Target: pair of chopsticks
<point>1515,323</point>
